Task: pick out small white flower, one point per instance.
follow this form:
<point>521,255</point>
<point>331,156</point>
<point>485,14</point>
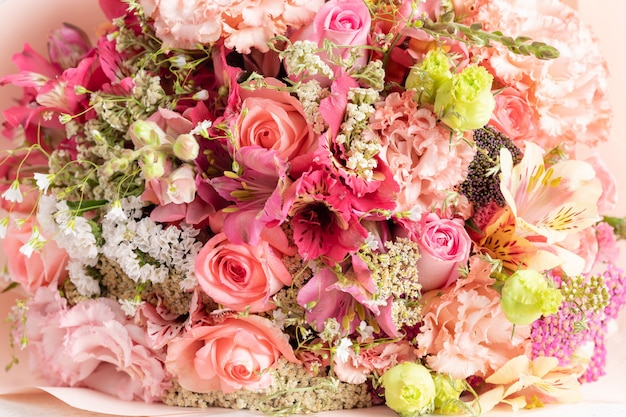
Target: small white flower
<point>202,129</point>
<point>4,225</point>
<point>116,213</point>
<point>366,331</point>
<point>35,243</point>
<point>343,350</point>
<point>13,193</point>
<point>129,307</point>
<point>43,181</point>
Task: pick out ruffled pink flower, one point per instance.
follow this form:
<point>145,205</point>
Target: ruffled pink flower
<point>379,358</point>
<point>241,24</point>
<point>568,94</point>
<point>465,333</point>
<point>418,152</point>
<point>92,345</point>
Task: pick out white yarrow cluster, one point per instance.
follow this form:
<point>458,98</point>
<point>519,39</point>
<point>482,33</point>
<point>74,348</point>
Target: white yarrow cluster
<point>310,94</point>
<point>300,58</point>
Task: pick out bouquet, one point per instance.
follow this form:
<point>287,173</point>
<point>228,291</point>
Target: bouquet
<point>294,206</point>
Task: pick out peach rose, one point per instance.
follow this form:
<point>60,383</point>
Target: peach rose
<point>44,267</point>
<point>234,354</point>
<point>240,276</point>
<point>513,115</point>
<point>274,120</point>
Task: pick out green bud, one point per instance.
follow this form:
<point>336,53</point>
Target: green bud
<point>146,133</point>
<point>464,101</point>
<point>527,295</point>
<point>409,389</point>
<point>186,147</point>
<point>153,164</point>
<point>447,394</point>
<point>429,75</point>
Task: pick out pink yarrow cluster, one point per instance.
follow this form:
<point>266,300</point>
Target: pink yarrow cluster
<point>218,187</point>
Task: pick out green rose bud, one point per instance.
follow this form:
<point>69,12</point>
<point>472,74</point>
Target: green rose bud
<point>464,101</point>
<point>146,133</point>
<point>447,394</point>
<point>428,76</point>
<point>526,296</point>
<point>186,147</point>
<point>409,389</point>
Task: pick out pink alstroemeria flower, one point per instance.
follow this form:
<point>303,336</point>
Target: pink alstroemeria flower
<point>327,296</point>
<point>324,222</point>
<point>257,193</point>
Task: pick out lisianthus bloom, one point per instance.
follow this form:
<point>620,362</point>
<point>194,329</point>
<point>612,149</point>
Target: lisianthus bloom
<point>426,78</point>
<point>236,353</point>
<point>527,295</point>
<point>409,389</point>
<point>464,101</point>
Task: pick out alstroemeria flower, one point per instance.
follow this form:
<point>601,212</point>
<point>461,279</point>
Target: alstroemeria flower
<point>521,381</point>
<point>257,193</point>
<point>549,201</point>
<point>324,222</point>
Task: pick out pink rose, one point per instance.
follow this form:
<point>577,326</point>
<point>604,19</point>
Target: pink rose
<point>464,331</point>
<point>342,22</point>
<point>241,276</point>
<point>274,120</point>
<point>92,345</point>
<point>513,116</point>
<point>444,247</point>
<point>236,353</point>
<point>44,267</point>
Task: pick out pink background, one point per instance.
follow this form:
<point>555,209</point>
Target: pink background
<point>30,20</point>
